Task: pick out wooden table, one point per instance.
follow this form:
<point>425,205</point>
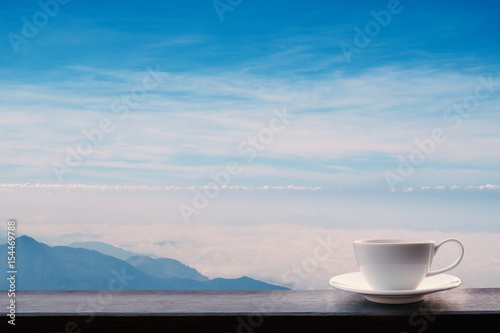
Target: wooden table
<point>457,310</point>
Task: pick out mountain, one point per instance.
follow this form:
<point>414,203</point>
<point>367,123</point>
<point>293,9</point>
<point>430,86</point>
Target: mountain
<point>242,283</point>
<point>165,268</point>
<point>173,243</point>
<point>104,248</point>
<point>158,267</point>
<point>41,267</point>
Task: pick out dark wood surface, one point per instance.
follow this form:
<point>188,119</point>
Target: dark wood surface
<point>457,310</point>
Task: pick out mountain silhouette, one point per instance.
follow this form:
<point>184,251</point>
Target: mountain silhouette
<point>104,248</point>
<point>165,268</point>
<point>41,267</point>
<point>158,267</point>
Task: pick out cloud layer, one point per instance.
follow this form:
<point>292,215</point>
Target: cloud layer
<point>135,188</point>
<point>301,257</point>
<point>346,129</point>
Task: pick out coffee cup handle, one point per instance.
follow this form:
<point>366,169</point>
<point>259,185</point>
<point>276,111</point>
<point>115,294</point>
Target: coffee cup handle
<point>455,263</point>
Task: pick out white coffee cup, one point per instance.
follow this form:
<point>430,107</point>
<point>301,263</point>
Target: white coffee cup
<point>398,264</point>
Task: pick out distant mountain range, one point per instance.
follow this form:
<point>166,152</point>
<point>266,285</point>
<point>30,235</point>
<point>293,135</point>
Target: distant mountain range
<point>41,267</point>
<point>104,248</point>
<point>163,268</point>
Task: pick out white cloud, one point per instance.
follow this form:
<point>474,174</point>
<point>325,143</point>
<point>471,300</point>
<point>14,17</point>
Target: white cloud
<point>341,119</point>
<point>487,187</point>
<point>86,187</point>
<point>280,253</point>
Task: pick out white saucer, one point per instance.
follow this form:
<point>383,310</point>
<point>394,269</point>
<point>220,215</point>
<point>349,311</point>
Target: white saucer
<point>355,283</point>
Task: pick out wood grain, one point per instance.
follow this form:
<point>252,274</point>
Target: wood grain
<point>457,310</point>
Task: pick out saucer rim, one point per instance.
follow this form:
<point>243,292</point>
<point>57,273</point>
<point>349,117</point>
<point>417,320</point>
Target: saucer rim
<point>350,288</point>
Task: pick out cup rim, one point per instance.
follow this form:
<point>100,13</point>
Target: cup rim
<point>392,241</point>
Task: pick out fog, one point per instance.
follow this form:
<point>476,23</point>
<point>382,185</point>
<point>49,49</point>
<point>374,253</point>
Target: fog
<point>298,239</point>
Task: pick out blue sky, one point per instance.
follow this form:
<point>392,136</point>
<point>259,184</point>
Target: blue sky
<point>116,113</point>
<point>356,120</point>
<point>220,81</point>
